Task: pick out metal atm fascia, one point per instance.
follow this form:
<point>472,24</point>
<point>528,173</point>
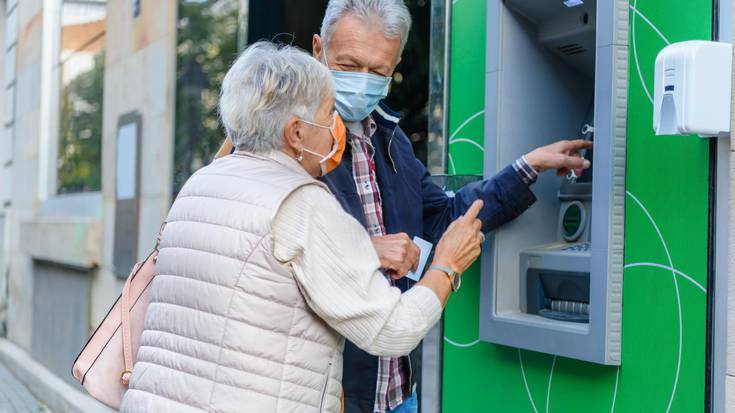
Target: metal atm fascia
<point>529,94</point>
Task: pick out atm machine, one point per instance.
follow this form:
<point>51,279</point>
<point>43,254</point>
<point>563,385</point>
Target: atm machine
<point>552,279</point>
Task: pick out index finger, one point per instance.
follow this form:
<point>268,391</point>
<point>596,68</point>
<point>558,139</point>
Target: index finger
<point>578,145</point>
<point>475,209</point>
<point>575,162</point>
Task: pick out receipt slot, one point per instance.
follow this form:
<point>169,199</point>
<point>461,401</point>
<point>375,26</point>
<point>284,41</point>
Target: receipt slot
<point>552,279</point>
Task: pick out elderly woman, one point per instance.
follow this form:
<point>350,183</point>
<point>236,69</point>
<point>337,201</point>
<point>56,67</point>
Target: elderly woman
<point>261,275</point>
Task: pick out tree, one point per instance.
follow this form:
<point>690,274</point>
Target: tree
<point>80,131</point>
<point>207,46</point>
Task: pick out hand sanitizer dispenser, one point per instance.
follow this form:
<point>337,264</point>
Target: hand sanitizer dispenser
<point>692,89</point>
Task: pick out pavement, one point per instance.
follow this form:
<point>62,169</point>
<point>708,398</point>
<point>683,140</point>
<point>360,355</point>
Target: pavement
<point>15,396</point>
<point>56,393</point>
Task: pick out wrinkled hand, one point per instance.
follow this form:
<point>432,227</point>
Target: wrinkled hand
<point>398,254</point>
<point>460,244</point>
<point>562,156</point>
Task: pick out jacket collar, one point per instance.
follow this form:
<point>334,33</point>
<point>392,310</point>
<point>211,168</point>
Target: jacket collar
<point>385,116</point>
<point>387,120</point>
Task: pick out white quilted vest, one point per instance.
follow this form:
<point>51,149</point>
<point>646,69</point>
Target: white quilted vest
<point>227,329</point>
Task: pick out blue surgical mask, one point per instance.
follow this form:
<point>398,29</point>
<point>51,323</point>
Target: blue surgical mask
<point>357,94</point>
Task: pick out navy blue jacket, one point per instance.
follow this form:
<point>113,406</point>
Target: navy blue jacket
<point>413,204</point>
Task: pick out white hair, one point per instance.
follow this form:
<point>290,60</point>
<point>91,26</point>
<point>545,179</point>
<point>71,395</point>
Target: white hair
<point>392,14</point>
<point>266,87</point>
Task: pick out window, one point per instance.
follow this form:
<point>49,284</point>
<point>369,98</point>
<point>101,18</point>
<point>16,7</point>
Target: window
<point>81,67</point>
<point>207,46</point>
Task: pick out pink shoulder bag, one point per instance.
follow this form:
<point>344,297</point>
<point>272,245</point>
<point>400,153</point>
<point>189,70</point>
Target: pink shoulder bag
<point>105,363</point>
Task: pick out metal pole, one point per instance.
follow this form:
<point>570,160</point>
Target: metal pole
<point>440,58</point>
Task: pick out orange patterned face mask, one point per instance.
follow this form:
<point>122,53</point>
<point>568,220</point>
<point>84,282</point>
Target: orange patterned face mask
<point>338,131</point>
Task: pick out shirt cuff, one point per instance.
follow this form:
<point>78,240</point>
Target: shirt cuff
<point>525,171</point>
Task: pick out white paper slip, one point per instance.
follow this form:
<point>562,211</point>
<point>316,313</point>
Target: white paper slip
<point>425,247</point>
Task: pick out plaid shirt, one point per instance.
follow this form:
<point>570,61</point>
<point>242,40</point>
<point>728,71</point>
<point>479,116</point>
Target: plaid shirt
<point>392,385</point>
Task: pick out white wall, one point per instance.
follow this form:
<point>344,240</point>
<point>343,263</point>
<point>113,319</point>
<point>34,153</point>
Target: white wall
<point>140,70</point>
<point>729,378</point>
<point>730,320</point>
<point>726,213</point>
<point>727,19</point>
<point>140,75</point>
<point>27,17</point>
<point>4,174</point>
<point>730,338</point>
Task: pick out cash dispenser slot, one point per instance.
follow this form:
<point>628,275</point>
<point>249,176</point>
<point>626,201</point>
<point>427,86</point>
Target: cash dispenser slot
<point>559,295</point>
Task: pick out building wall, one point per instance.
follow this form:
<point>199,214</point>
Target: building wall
<point>728,174</point>
<point>25,137</point>
<point>664,315</point>
<point>4,170</point>
<point>40,228</point>
<point>725,247</point>
<point>63,244</point>
<point>730,347</point>
<point>140,76</point>
<point>724,314</point>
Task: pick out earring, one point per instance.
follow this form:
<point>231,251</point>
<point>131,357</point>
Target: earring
<point>301,155</point>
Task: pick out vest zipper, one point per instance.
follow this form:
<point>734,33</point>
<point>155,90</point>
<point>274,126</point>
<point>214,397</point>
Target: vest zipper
<point>324,389</point>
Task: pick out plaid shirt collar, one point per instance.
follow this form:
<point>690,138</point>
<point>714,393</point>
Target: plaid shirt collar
<point>364,129</point>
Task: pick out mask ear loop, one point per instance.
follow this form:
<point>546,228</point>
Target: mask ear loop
<point>334,126</point>
<point>334,138</point>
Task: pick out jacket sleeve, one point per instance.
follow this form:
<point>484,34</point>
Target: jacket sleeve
<point>337,271</point>
<point>505,196</point>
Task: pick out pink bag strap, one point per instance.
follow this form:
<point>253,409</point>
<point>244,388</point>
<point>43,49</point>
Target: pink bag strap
<point>125,317</point>
<point>125,314</point>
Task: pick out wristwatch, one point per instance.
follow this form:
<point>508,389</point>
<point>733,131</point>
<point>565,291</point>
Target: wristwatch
<point>455,278</point>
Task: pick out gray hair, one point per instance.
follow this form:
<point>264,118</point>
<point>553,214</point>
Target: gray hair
<point>266,87</point>
<point>392,14</point>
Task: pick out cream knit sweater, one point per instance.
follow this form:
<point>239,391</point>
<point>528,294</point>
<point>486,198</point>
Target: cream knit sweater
<point>337,270</point>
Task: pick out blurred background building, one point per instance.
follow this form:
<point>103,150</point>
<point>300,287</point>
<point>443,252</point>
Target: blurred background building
<point>108,107</point>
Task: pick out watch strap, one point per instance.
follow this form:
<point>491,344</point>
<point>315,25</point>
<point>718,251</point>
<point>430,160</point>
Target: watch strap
<point>453,275</point>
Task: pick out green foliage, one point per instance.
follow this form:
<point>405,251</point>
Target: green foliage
<point>207,46</point>
<point>80,131</point>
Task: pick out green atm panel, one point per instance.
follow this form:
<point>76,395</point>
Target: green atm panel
<point>665,256</point>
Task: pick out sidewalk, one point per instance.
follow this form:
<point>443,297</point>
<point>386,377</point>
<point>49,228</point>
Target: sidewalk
<point>15,397</point>
<point>57,394</point>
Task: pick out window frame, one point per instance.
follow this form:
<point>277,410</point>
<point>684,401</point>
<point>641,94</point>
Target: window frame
<point>53,203</point>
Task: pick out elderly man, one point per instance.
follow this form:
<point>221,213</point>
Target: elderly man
<point>382,184</point>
